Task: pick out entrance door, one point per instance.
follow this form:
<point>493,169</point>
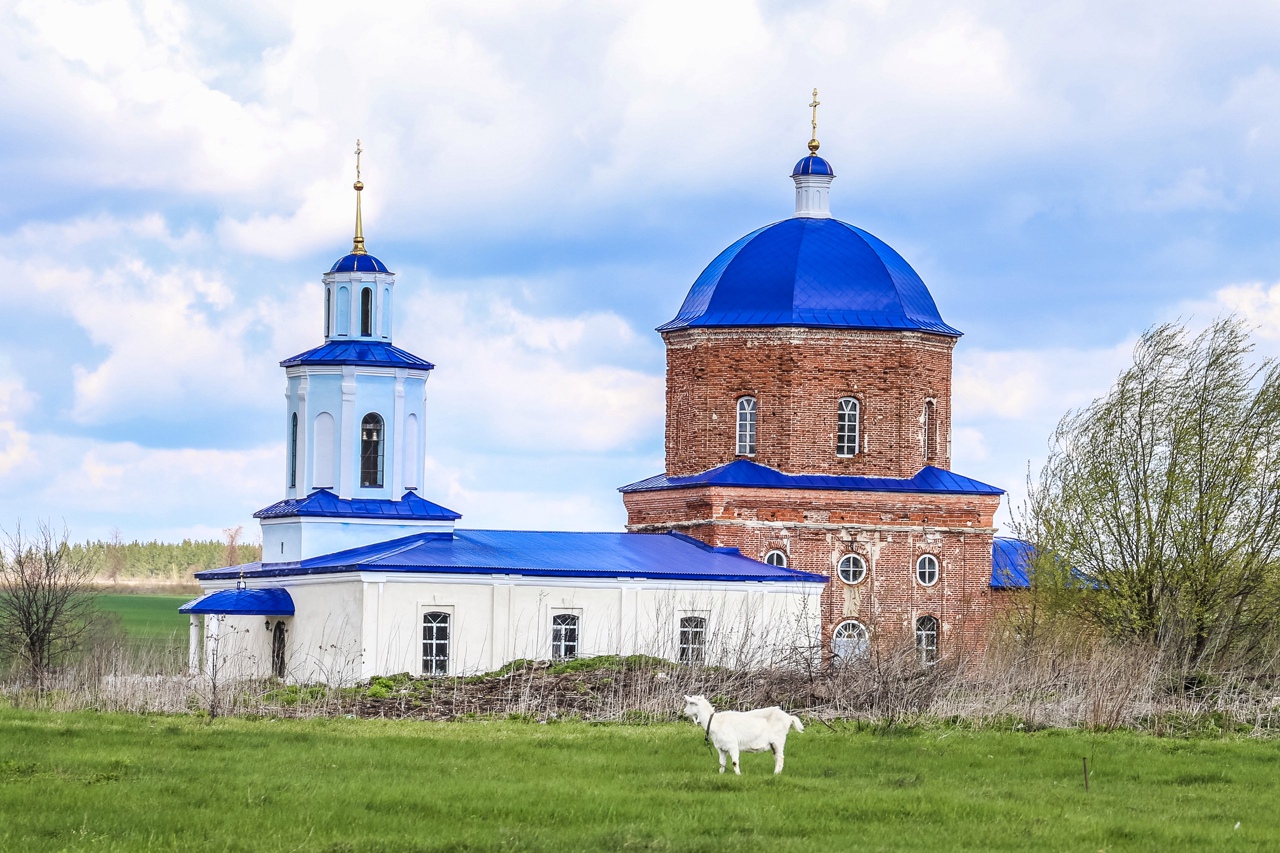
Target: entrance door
<point>277,650</point>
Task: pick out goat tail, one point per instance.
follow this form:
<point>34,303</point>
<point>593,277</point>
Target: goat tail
<point>796,724</point>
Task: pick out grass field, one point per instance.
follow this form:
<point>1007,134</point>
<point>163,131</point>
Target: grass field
<point>88,781</point>
<point>151,620</point>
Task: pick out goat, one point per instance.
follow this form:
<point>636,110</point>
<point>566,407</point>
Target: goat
<point>732,732</point>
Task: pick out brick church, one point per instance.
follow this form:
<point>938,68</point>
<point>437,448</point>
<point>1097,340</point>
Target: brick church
<point>808,424</point>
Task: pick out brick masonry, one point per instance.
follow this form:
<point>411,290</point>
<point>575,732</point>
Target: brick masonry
<point>797,377</point>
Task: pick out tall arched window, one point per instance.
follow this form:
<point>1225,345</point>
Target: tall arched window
<point>747,426</point>
<point>371,451</point>
<point>930,431</point>
<point>366,312</point>
<point>435,643</point>
<point>293,451</point>
<point>564,636</point>
<point>927,639</point>
<point>847,427</point>
<point>278,661</point>
<point>849,640</point>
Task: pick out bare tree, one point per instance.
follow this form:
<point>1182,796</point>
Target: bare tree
<point>1159,506</point>
<point>47,601</point>
<point>115,555</point>
<point>233,535</point>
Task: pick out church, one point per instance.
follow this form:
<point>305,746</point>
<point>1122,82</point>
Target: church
<point>807,509</point>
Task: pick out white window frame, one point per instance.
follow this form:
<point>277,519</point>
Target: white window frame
<point>748,426</point>
<point>855,635</point>
<point>564,647</point>
<point>927,637</point>
<point>779,554</point>
<point>450,634</point>
<point>921,572</point>
<point>691,647</point>
<point>855,575</point>
<point>848,429</point>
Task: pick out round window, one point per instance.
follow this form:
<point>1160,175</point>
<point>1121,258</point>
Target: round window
<point>852,568</point>
<point>776,558</point>
<point>927,570</point>
<point>849,640</point>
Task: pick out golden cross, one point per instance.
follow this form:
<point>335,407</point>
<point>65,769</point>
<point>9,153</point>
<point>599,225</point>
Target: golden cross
<point>813,142</point>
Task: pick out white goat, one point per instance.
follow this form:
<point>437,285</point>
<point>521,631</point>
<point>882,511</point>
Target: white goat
<point>732,732</point>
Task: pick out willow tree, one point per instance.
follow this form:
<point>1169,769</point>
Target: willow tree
<point>1163,499</point>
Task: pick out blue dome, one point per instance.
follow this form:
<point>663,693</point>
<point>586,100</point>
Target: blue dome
<point>358,263</point>
<point>810,272</point>
<point>813,165</point>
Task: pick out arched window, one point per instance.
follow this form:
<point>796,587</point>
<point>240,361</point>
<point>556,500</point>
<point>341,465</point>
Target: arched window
<point>847,427</point>
<point>435,643</point>
<point>927,639</point>
<point>277,650</point>
<point>293,451</point>
<point>564,636</point>
<point>852,568</point>
<point>693,639</point>
<point>747,426</point>
<point>927,570</point>
<point>930,431</point>
<point>849,640</point>
<point>328,311</point>
<point>366,312</point>
<point>371,451</point>
<point>776,558</point>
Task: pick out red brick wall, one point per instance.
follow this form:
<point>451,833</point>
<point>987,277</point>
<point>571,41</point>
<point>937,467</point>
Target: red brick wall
<point>798,377</point>
<point>815,528</point>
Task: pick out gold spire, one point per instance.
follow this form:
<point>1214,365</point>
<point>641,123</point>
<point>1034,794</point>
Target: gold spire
<point>357,247</point>
<point>813,140</point>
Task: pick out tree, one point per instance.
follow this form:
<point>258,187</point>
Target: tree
<point>47,601</point>
<point>1160,502</point>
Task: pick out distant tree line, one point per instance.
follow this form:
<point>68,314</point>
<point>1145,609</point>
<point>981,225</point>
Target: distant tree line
<point>115,559</point>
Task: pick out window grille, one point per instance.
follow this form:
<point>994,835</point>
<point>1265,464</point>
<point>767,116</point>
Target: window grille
<point>927,570</point>
<point>435,643</point>
<point>293,451</point>
<point>747,426</point>
<point>847,427</point>
<point>849,640</point>
<point>366,312</point>
<point>852,568</point>
<point>564,636</point>
<point>930,431</point>
<point>693,639</point>
<point>371,451</point>
<point>927,639</point>
<point>776,558</point>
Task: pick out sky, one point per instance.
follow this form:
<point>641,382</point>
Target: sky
<point>547,179</point>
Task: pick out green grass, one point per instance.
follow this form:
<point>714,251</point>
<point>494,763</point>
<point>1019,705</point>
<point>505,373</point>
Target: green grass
<point>151,620</point>
<point>85,781</point>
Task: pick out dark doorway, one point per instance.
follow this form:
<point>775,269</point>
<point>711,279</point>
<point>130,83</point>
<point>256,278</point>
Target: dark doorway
<point>277,650</point>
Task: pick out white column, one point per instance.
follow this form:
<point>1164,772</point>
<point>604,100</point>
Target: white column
<point>348,451</point>
<point>193,651</point>
<point>396,456</point>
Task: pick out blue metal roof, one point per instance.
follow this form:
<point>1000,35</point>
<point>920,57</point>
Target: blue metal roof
<point>1010,561</point>
<point>371,353</point>
<point>358,263</point>
<point>810,272</point>
<point>813,165</point>
<point>242,602</point>
<point>743,472</point>
<point>326,504</point>
<point>650,556</point>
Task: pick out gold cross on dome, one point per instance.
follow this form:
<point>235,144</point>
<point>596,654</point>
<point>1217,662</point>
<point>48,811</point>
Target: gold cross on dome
<point>813,141</point>
<point>358,152</point>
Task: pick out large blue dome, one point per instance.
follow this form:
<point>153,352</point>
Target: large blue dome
<point>363,262</point>
<point>814,272</point>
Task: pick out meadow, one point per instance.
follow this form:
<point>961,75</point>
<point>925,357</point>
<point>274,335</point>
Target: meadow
<point>147,619</point>
<point>89,781</point>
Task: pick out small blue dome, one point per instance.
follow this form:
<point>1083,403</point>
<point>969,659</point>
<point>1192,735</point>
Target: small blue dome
<point>813,165</point>
<point>810,272</point>
<point>358,263</point>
